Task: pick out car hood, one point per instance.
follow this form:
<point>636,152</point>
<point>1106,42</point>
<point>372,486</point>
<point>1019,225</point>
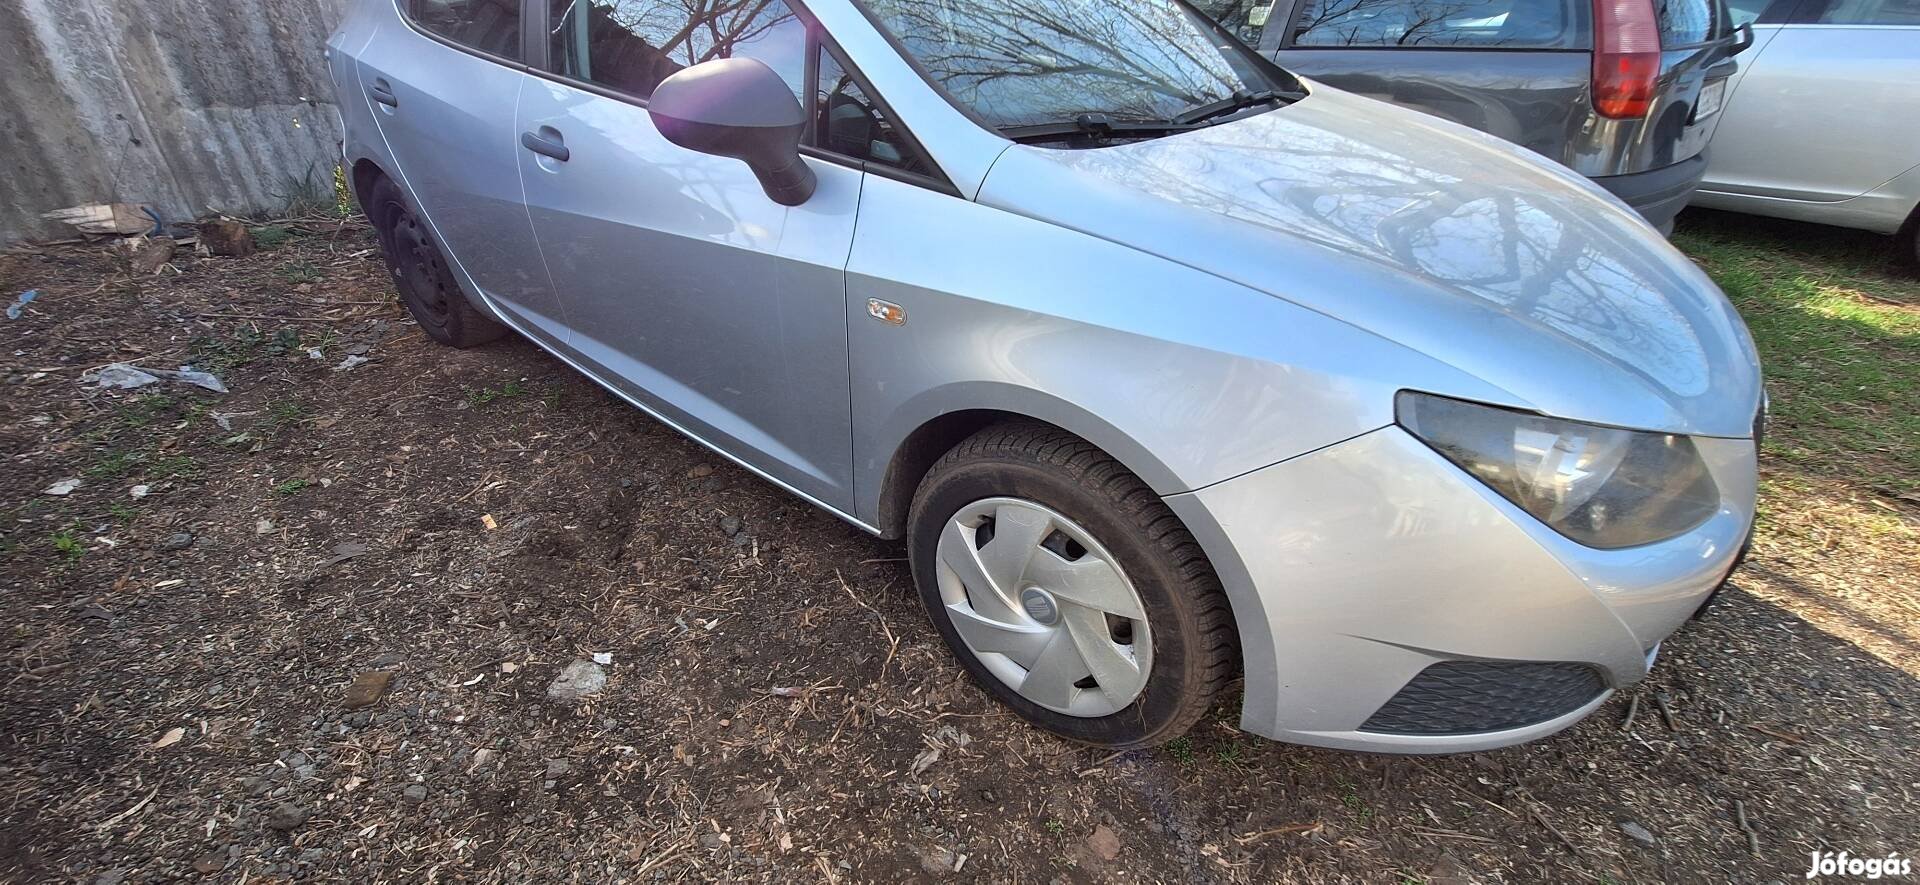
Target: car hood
<point>1437,237</point>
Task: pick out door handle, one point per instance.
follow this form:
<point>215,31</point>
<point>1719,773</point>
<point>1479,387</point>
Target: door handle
<point>545,146</point>
<point>383,94</point>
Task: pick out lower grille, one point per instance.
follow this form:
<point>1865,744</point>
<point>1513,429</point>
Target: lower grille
<point>1470,697</point>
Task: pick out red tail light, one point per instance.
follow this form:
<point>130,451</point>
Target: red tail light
<point>1626,57</point>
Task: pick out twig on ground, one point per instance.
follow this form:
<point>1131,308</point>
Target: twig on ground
<point>1438,833</point>
<point>1533,810</point>
<point>893,642</point>
<point>1740,817</point>
<point>109,822</point>
<point>1289,829</point>
<point>1789,738</point>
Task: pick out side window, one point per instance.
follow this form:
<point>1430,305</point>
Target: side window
<point>849,123</point>
<point>631,45</point>
<point>1684,22</point>
<point>491,26</point>
<point>1440,24</point>
<point>1858,12</point>
<point>1746,12</point>
<point>1245,19</point>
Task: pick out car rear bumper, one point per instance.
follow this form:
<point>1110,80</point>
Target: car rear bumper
<point>1658,194</point>
<point>1389,602</point>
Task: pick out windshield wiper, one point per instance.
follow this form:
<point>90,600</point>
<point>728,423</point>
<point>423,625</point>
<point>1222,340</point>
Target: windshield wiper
<point>1097,126</point>
<point>1238,101</point>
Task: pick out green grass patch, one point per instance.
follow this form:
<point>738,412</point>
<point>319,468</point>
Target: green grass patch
<point>300,272</point>
<point>68,544</point>
<point>114,464</point>
<point>1181,749</point>
<point>221,355</point>
<point>480,396</point>
<point>1839,339</point>
<point>271,236</point>
<point>282,412</point>
<point>291,487</point>
<point>173,467</point>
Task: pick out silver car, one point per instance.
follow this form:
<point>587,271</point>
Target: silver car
<point>1168,366</point>
<point>1822,121</point>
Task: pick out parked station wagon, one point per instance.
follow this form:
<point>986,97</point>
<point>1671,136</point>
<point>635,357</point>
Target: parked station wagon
<point>1169,367</point>
<point>1625,92</point>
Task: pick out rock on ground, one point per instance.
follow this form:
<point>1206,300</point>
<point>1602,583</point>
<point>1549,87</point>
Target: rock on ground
<point>577,681</point>
<point>226,237</point>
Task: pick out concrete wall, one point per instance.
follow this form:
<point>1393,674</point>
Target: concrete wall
<point>192,106</point>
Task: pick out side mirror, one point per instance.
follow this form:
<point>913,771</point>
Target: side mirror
<point>1742,38</point>
<point>739,108</point>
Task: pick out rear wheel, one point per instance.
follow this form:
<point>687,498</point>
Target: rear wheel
<point>420,272</point>
<point>1068,589</point>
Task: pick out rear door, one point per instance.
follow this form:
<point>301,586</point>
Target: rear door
<point>1829,108</point>
<point>442,78</point>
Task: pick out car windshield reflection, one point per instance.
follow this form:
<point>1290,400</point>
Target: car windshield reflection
<point>1022,63</point>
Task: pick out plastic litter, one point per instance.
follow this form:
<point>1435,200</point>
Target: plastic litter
<point>197,378</point>
<point>20,303</point>
<point>63,487</point>
<point>225,419</point>
<point>121,376</point>
<point>350,362</point>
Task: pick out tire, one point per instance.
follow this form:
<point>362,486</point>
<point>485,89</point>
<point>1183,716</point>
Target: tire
<point>1906,244</point>
<point>427,286</point>
<point>1027,606</point>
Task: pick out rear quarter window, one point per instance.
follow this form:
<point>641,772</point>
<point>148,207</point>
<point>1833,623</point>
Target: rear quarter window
<point>1687,22</point>
<point>1443,24</point>
<point>491,26</point>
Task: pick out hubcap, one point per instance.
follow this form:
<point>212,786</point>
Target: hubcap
<point>1040,605</point>
<point>1044,607</point>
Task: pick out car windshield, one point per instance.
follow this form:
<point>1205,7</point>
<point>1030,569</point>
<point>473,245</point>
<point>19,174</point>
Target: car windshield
<point>1021,63</point>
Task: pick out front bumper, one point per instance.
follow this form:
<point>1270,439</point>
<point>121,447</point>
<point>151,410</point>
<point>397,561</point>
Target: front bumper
<point>1371,569</point>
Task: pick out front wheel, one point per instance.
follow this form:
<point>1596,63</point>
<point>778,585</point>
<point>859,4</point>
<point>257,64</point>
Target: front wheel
<point>1068,589</point>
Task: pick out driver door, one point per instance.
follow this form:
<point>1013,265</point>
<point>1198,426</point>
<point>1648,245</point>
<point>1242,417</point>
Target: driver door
<point>685,286</point>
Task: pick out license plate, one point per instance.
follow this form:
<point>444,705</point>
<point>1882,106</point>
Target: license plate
<point>1711,97</point>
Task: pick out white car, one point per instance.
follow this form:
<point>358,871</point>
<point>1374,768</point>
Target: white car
<point>1822,121</point>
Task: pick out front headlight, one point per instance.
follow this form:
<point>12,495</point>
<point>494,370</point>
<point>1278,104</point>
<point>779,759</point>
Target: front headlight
<point>1601,486</point>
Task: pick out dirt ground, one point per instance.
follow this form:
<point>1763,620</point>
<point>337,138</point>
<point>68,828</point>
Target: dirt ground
<point>176,667</point>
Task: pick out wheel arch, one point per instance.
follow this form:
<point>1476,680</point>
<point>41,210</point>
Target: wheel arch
<point>924,442</point>
<point>931,424</point>
<point>362,176</point>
